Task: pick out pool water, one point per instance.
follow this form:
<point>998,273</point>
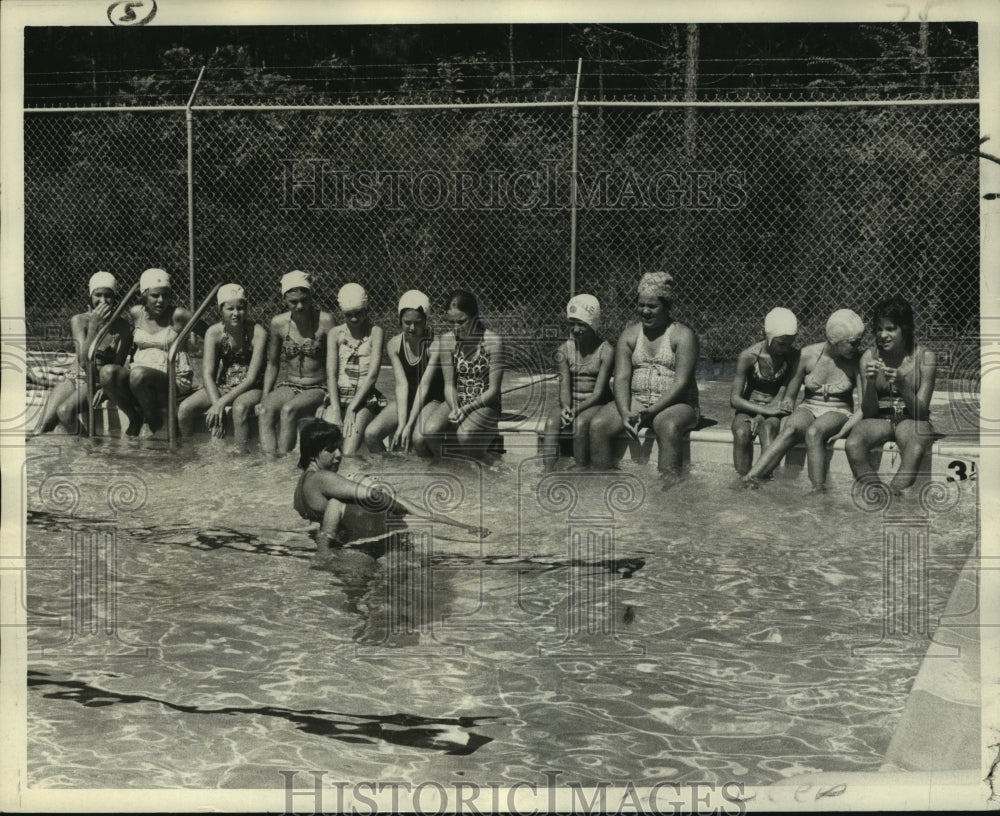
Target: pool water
<point>181,634</point>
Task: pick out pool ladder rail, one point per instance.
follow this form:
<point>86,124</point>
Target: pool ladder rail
<point>172,363</point>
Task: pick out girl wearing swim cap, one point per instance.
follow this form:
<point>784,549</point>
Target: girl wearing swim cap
<point>471,358</point>
<point>654,385</point>
<point>831,376</point>
<point>763,372</point>
<point>899,377</point>
<point>67,404</point>
<point>296,350</point>
<point>418,387</point>
<point>232,369</point>
<point>353,361</point>
<point>584,363</point>
<point>142,390</point>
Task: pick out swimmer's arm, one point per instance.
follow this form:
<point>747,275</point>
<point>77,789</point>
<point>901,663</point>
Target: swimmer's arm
<point>448,369</point>
<point>565,377</point>
<point>402,386</point>
<point>736,400</point>
<point>333,372</point>
<point>855,417</point>
<point>273,355</point>
<point>925,369</point>
<point>600,384</point>
<point>210,361</point>
<point>869,395</point>
<point>686,358</point>
<point>375,365</point>
<point>124,341</point>
<point>623,369</point>
<point>180,318</point>
<point>795,384</point>
<point>84,328</point>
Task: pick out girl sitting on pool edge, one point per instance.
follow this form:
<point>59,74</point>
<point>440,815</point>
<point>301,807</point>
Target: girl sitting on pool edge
<point>339,503</point>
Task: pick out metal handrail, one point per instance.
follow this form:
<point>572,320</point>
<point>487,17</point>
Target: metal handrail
<point>92,352</point>
<point>172,362</point>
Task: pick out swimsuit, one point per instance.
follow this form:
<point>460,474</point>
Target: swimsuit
<point>151,352</point>
<point>654,372</point>
<point>761,388</point>
<point>890,403</point>
<point>472,374</point>
<point>314,348</point>
<point>355,358</point>
<point>583,371</point>
<point>234,363</point>
<point>414,371</point>
<point>823,398</point>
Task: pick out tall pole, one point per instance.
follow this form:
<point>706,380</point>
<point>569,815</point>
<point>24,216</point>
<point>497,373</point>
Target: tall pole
<point>190,174</point>
<point>572,183</point>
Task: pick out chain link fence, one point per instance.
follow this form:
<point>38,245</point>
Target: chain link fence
<point>814,208</point>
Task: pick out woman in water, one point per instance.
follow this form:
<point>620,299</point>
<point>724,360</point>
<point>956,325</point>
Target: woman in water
<point>585,362</point>
<point>232,369</point>
<point>409,353</point>
<point>348,508</point>
<point>654,385</point>
<point>296,348</point>
<point>68,400</point>
<point>830,373</point>
<point>472,361</point>
<point>353,360</point>
<point>899,379</point>
<point>763,372</point>
<point>141,390</point>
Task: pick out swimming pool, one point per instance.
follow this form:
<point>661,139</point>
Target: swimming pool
<point>606,630</point>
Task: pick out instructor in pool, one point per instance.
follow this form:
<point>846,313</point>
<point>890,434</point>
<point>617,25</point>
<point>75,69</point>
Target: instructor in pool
<point>347,508</point>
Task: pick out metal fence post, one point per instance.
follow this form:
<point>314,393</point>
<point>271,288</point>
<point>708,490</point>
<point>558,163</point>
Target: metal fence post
<point>572,198</point>
<point>190,179</point>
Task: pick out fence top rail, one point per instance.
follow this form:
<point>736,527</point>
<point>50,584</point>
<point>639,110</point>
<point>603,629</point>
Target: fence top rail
<point>867,103</point>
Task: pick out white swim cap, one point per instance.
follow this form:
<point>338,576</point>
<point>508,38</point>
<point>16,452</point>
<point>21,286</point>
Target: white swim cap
<point>103,280</point>
<point>352,297</point>
<point>585,308</point>
<point>416,300</point>
<point>844,324</point>
<point>780,322</point>
<point>153,279</point>
<point>295,279</point>
<point>231,291</point>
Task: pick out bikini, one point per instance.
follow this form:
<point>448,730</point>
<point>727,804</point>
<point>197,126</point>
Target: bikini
<point>654,371</point>
<point>823,398</point>
<point>890,403</point>
<point>761,388</point>
<point>313,348</point>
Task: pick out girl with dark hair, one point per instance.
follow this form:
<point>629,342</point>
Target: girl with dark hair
<point>348,508</point>
<point>472,360</point>
<point>899,379</point>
